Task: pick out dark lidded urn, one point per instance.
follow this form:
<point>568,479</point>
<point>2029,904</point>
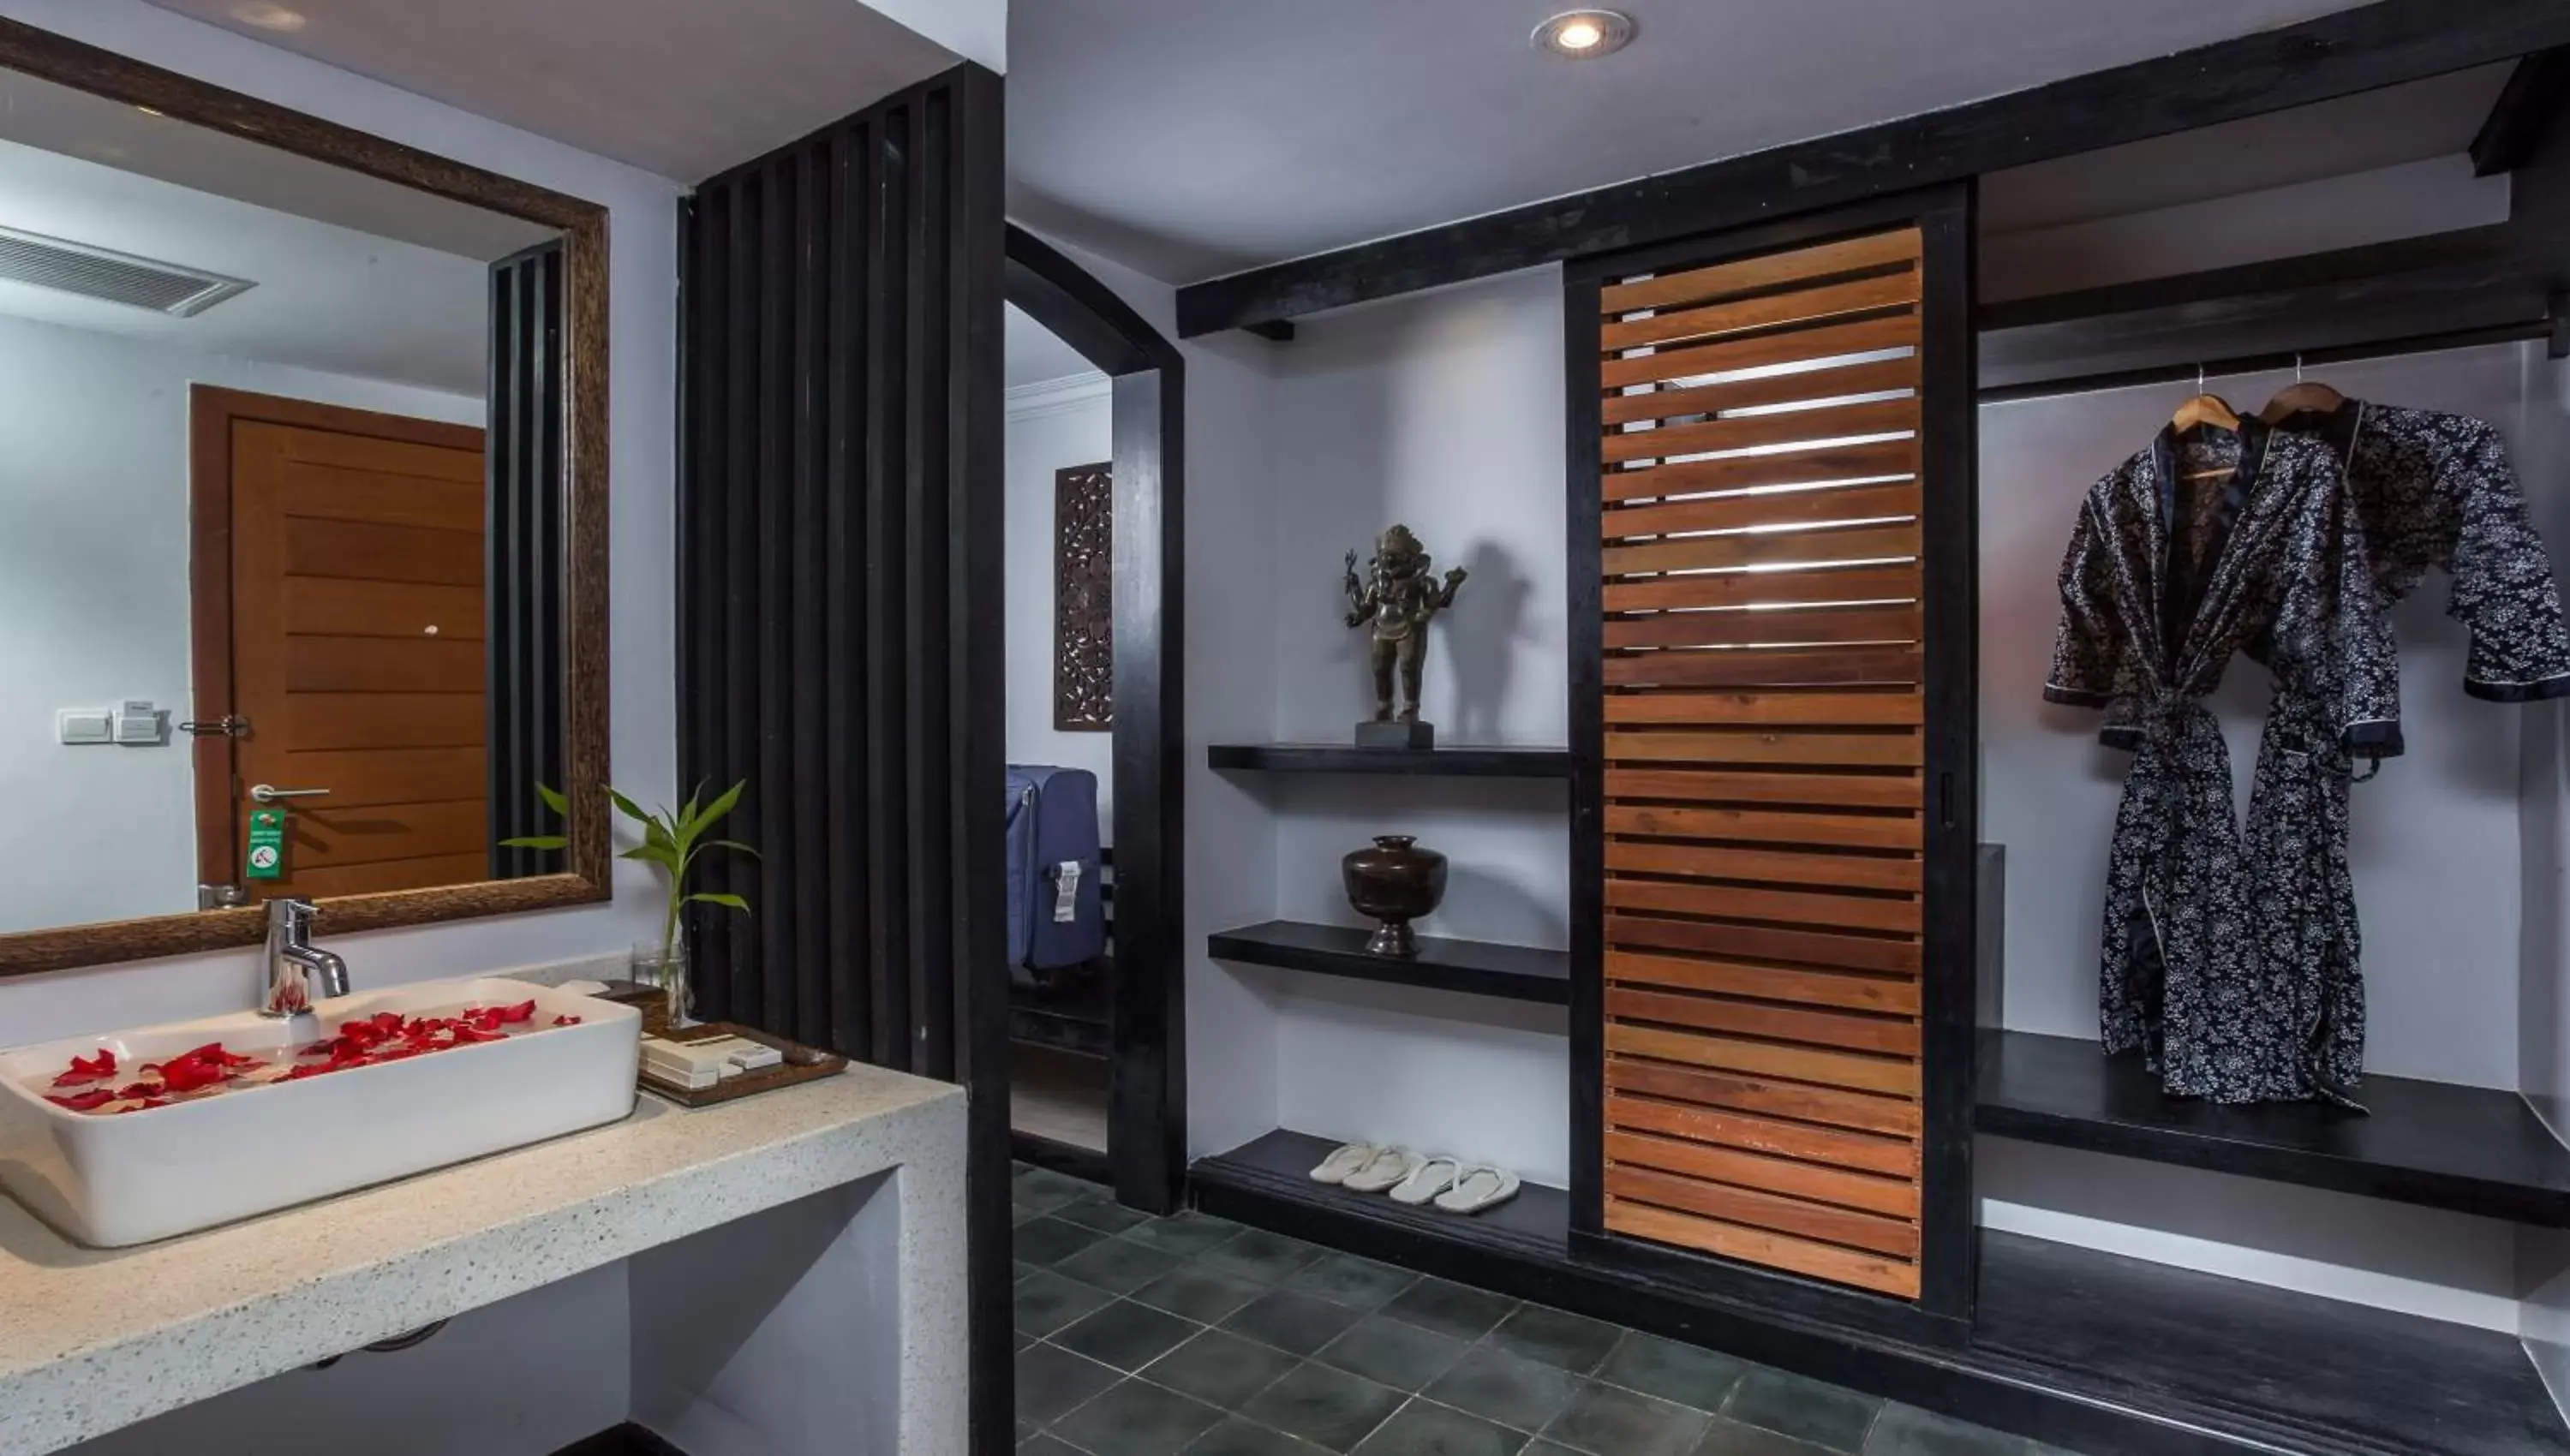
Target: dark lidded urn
<point>1395,882</point>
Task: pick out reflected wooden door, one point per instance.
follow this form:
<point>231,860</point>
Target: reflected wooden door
<point>356,644</point>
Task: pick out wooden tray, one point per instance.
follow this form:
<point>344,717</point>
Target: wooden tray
<point>802,1064</point>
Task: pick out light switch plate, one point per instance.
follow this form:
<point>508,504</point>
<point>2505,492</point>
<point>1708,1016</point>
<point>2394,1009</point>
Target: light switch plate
<point>138,724</point>
<point>85,725</point>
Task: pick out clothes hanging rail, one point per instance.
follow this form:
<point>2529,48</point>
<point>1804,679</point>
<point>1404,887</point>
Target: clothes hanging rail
<point>2548,328</point>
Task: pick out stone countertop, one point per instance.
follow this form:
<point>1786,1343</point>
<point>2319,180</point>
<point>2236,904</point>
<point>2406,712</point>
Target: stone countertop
<point>94,1339</point>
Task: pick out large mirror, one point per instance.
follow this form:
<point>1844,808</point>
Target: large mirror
<point>300,555</point>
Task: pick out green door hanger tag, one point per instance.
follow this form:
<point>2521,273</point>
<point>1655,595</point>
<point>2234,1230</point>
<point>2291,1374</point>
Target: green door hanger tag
<point>266,859</point>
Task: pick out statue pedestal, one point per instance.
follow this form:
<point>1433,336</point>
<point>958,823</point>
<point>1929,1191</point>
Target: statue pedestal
<point>1395,735</point>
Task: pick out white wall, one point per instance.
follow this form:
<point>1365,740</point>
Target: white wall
<point>642,364</point>
<point>1051,426</point>
<point>1444,412</point>
<point>2543,1029</point>
<point>94,606</point>
<point>2434,847</point>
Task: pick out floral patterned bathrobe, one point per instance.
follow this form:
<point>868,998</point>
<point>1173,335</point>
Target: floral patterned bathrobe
<point>2232,959</point>
<point>2433,491</point>
<point>2166,579</point>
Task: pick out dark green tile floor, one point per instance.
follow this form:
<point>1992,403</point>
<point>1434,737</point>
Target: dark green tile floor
<point>1192,1336</point>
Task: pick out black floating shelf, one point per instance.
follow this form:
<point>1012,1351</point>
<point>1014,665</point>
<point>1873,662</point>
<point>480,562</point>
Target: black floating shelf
<point>1514,973</point>
<point>1337,758</point>
<point>2435,1142</point>
<point>2073,1347</point>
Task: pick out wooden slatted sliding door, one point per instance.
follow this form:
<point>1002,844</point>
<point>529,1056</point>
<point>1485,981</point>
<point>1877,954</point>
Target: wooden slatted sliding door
<point>1766,716</point>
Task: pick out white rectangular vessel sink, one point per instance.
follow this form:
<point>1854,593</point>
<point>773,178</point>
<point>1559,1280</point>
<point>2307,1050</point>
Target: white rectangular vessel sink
<point>112,1179</point>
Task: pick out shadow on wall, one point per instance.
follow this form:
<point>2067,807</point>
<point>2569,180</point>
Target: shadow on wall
<point>1496,906</point>
<point>1481,641</point>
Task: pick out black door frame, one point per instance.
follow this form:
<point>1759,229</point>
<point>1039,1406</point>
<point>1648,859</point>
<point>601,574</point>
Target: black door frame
<point>1147,1130</point>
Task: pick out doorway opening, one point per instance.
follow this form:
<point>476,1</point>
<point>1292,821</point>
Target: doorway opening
<point>1095,736</point>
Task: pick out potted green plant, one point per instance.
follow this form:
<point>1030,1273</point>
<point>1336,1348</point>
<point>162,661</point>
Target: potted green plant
<point>672,842</point>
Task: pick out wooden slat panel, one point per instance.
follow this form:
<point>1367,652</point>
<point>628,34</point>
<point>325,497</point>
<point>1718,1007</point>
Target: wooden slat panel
<point>1792,587</point>
<point>1877,250</point>
<point>1774,866</point>
<point>1755,1246</point>
<point>1766,508</point>
<point>1768,1096</point>
<point>358,778</point>
<point>1772,310</point>
<point>1896,1237</point>
<point>374,877</point>
<point>1818,464</point>
<point>1830,381</point>
<point>1890,1157</point>
<point>1881,1035</point>
<point>1783,827</point>
<point>325,606</point>
<point>1765,547</point>
<point>1762,667</point>
<point>1780,746</point>
<point>1758,943</point>
<point>319,492</point>
<point>1813,708</point>
<point>1734,627</point>
<point>1747,431</point>
<point>1863,337</point>
<point>1887,1197</point>
<point>1871,791</point>
<point>1764,982</point>
<point>1842,911</point>
<point>384,720</point>
<point>376,455</point>
<point>326,834</point>
<point>1763,813</point>
<point>1844,1070</point>
<point>384,665</point>
<point>377,551</point>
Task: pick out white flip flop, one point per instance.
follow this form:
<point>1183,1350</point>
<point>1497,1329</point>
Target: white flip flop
<point>1478,1188</point>
<point>1427,1180</point>
<point>1390,1166</point>
<point>1344,1161</point>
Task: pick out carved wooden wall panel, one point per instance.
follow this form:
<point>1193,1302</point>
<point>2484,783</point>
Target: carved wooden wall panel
<point>1083,592</point>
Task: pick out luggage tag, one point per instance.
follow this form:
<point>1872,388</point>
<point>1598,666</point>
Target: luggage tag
<point>1066,892</point>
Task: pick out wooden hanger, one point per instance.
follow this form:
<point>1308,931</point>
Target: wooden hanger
<point>2202,411</point>
<point>2298,396</point>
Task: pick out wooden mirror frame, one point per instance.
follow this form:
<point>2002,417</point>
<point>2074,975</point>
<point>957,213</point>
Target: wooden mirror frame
<point>49,57</point>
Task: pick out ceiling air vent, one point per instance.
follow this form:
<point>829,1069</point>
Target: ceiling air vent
<point>116,277</point>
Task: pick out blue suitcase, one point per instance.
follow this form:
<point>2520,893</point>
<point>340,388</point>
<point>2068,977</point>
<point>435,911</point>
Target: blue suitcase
<point>1057,914</point>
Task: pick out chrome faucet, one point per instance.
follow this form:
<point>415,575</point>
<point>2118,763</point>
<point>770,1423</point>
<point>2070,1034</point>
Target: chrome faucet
<point>293,966</point>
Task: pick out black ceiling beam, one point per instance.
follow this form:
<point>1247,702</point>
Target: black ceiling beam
<point>2524,109</point>
<point>2336,55</point>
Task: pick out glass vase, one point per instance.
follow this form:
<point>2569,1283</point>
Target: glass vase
<point>668,975</point>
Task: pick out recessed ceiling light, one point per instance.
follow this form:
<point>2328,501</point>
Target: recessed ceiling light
<point>1581,34</point>
<point>267,16</point>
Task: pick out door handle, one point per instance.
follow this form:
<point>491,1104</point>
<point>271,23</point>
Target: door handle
<point>269,794</point>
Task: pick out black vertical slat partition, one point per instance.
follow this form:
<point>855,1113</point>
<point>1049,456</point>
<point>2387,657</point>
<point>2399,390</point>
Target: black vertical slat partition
<point>522,554</point>
<point>840,609</point>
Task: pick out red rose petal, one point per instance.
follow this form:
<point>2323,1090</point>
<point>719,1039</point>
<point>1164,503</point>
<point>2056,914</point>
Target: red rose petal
<point>89,1101</point>
<point>565,1022</point>
<point>89,1069</point>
